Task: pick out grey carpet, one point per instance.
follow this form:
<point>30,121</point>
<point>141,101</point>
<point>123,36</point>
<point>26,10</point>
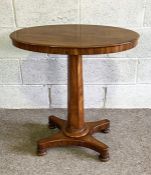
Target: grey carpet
<point>129,141</point>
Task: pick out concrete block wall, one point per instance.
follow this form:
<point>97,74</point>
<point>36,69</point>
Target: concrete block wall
<point>36,80</point>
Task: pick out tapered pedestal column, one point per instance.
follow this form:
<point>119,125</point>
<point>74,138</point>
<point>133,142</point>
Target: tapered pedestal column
<point>74,131</point>
<point>75,120</point>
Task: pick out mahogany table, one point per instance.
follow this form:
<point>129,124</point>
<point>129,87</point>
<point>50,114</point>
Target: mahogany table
<point>75,41</point>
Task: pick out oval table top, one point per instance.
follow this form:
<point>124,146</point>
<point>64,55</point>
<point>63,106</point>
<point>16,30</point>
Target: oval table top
<point>75,39</point>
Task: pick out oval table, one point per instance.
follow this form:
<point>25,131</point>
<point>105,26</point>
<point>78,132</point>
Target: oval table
<point>75,40</point>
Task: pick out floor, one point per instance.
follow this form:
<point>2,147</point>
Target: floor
<point>129,141</point>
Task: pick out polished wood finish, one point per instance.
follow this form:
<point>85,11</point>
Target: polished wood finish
<point>75,131</point>
<point>75,126</point>
<point>88,141</point>
<point>75,40</point>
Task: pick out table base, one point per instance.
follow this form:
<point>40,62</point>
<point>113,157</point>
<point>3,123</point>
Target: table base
<point>84,137</point>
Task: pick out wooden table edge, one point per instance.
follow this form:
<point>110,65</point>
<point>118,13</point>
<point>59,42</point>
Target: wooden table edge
<point>75,51</point>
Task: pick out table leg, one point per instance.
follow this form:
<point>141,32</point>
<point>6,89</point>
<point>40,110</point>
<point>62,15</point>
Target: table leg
<point>74,131</point>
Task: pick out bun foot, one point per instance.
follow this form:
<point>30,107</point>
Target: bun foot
<point>106,130</point>
<point>51,123</point>
<point>55,122</point>
<point>51,126</point>
<point>41,152</point>
<point>104,158</point>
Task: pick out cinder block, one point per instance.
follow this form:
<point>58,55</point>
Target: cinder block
<point>46,12</point>
<point>24,97</point>
<point>96,71</point>
<point>6,14</point>
<point>113,12</point>
<point>10,72</point>
<point>7,50</point>
<point>144,71</point>
<point>147,19</point>
<point>142,50</point>
<point>58,95</point>
<point>110,71</point>
<point>94,96</point>
<point>130,96</point>
<point>47,71</point>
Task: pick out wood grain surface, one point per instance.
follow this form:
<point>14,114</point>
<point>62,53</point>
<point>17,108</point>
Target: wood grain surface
<point>74,39</point>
